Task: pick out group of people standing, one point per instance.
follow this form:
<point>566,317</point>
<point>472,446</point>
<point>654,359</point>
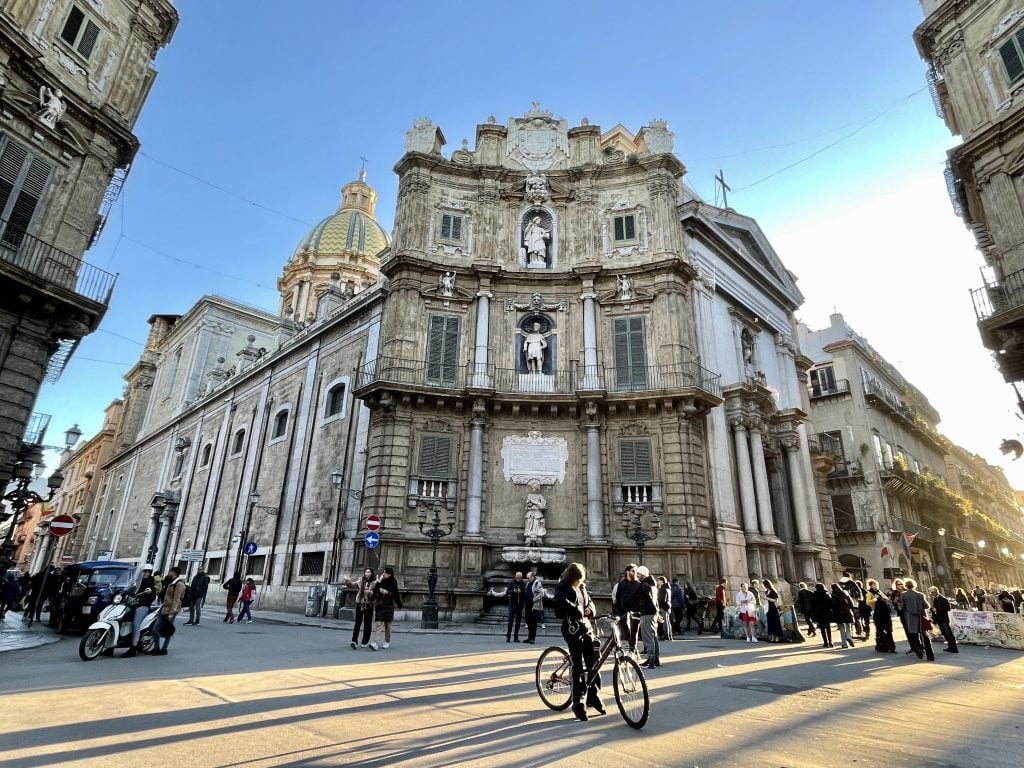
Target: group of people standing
<point>525,599</point>
<point>376,600</point>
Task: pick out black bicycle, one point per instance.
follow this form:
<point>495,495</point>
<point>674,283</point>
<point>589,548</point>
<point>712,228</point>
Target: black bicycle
<point>554,675</point>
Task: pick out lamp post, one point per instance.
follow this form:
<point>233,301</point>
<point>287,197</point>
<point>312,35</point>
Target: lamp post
<point>28,460</point>
<point>632,524</point>
<point>337,478</point>
<point>435,532</point>
<point>254,504</point>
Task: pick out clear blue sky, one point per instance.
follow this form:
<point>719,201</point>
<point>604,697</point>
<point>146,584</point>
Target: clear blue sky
<point>276,107</point>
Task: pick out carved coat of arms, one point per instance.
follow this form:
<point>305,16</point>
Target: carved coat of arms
<point>538,140</point>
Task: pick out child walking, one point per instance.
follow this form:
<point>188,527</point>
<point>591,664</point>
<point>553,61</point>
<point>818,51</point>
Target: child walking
<point>246,599</point>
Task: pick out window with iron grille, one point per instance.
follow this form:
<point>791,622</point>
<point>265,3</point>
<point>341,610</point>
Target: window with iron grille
<point>80,32</point>
<point>23,179</point>
<point>443,350</point>
<point>435,457</point>
<point>311,564</point>
<point>629,347</point>
<point>624,228</point>
<point>335,400</point>
<point>451,227</point>
<point>280,423</point>
<point>635,462</point>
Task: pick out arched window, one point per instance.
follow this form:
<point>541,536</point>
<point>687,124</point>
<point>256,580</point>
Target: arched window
<point>205,459</point>
<point>238,442</point>
<point>335,399</point>
<point>280,423</point>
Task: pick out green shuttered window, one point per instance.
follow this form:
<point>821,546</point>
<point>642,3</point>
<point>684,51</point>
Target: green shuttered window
<point>635,462</point>
<point>630,352</point>
<point>435,457</point>
<point>443,350</point>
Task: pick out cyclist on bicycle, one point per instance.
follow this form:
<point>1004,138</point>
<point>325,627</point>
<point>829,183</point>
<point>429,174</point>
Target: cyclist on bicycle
<point>575,608</point>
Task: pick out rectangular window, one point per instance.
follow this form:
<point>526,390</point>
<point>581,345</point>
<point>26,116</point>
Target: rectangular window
<point>635,464</point>
<point>625,227</point>
<point>256,565</point>
<point>1012,54</point>
<point>630,352</point>
<point>23,181</point>
<point>336,400</point>
<point>435,457</point>
<point>214,566</point>
<point>823,381</point>
<point>451,227</point>
<point>312,564</point>
<point>443,351</point>
<point>79,32</point>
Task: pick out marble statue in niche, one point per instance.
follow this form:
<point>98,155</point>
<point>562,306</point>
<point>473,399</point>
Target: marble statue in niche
<point>535,241</point>
<point>536,505</point>
<point>534,345</point>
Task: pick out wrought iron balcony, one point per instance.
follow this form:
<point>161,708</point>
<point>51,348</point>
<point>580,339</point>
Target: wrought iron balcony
<point>841,387</point>
<point>55,266</point>
<point>653,378</point>
<point>923,532</point>
<point>847,522</point>
<point>996,297</point>
<point>35,431</point>
<point>847,470</point>
<point>957,544</point>
<point>417,373</point>
<point>825,443</point>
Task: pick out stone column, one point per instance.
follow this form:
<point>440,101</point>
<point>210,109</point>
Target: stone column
<point>796,482</point>
<point>746,481</point>
<point>151,533</point>
<point>474,503</point>
<point>483,314</point>
<point>764,500</point>
<point>595,503</point>
<point>163,562</point>
<point>591,375</point>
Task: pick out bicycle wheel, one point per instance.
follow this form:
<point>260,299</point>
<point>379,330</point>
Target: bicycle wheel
<point>631,692</point>
<point>554,678</point>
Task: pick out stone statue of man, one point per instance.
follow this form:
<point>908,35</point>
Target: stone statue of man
<point>536,237</point>
<point>534,344</point>
<point>536,504</point>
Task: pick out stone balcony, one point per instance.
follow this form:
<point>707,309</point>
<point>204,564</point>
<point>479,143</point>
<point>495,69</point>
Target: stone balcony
<point>999,308</point>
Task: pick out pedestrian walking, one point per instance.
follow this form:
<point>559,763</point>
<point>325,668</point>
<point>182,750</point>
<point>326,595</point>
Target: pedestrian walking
<point>234,588</point>
<point>979,596</point>
<point>625,602</point>
<point>163,627</point>
<point>804,597</point>
<point>773,619</point>
<point>747,612</point>
<point>693,606</point>
<point>721,600</point>
<point>664,610</point>
<point>197,597</point>
<point>678,604</point>
<point>881,614</point>
<point>574,607</point>
<point>648,609</point>
<point>534,606</point>
<point>821,610</point>
<point>516,594</point>
<point>842,614</point>
<point>145,593</point>
<point>246,598</point>
<point>940,617</point>
<point>364,607</point>
<point>1005,601</point>
<point>853,589</point>
<point>386,599</point>
<point>864,610</point>
<point>10,594</point>
<point>914,610</point>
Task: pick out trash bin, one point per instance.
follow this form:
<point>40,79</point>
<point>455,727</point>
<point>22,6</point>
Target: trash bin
<point>315,599</point>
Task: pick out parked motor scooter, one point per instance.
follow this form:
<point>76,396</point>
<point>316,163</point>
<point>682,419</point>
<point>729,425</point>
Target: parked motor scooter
<point>113,629</point>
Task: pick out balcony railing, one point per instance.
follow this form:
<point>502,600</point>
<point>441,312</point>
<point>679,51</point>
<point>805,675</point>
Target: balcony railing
<point>663,377</point>
<point>825,443</point>
<point>841,386</point>
<point>55,266</point>
<point>396,370</point>
<point>35,432</point>
<point>923,532</point>
<point>848,522</point>
<point>958,544</point>
<point>847,469</point>
<point>893,402</point>
<point>1000,296</point>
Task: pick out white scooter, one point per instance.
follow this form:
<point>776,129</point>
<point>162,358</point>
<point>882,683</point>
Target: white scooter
<point>113,629</point>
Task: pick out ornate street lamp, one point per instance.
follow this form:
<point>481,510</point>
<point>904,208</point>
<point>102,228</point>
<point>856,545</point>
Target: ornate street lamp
<point>632,524</point>
<point>337,478</point>
<point>21,497</point>
<point>435,532</point>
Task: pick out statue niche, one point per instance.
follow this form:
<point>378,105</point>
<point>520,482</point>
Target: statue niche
<point>536,239</point>
<point>536,353</point>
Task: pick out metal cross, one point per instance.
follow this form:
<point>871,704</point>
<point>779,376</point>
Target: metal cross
<point>725,188</point>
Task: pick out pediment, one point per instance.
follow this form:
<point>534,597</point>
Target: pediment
<point>619,139</point>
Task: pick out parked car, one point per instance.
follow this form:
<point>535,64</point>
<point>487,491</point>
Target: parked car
<point>85,590</point>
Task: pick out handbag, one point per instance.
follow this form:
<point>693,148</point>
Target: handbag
<point>167,629</point>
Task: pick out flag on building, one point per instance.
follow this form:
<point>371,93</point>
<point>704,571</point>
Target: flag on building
<point>885,552</point>
<point>906,540</point>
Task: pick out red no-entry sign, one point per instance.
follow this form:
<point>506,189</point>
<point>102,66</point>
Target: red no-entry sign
<point>373,523</point>
<point>62,525</point>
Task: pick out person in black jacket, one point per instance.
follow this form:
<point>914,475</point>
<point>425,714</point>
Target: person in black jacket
<point>842,614</point>
<point>881,612</point>
<point>803,605</point>
<point>940,615</point>
<point>821,610</point>
<point>647,604</point>
<point>145,590</point>
<point>196,597</point>
<point>234,588</point>
<point>574,607</point>
<point>386,599</point>
<point>516,593</point>
<point>625,601</point>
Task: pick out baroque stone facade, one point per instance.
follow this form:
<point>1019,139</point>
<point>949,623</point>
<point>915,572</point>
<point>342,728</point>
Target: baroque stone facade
<point>568,354</point>
<point>73,78</point>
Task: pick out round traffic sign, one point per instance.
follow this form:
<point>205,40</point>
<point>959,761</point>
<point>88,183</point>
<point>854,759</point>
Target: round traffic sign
<point>250,548</point>
<point>62,525</point>
<point>373,523</point>
<point>371,540</point>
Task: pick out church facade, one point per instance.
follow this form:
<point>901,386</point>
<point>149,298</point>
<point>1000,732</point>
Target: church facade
<point>562,353</point>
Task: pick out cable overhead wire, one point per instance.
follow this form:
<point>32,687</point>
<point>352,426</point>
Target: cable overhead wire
<point>158,252</point>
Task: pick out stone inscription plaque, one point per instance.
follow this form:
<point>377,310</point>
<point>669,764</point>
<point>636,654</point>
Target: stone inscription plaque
<point>533,457</point>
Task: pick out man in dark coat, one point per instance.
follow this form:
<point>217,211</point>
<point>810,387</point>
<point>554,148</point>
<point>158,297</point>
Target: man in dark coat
<point>234,588</point>
<point>804,599</point>
<point>196,597</point>
<point>516,593</point>
<point>693,606</point>
<point>940,615</point>
<point>626,600</point>
<point>914,608</point>
<point>678,604</point>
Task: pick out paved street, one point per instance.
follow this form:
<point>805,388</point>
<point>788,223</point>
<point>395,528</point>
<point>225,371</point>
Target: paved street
<point>275,694</point>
